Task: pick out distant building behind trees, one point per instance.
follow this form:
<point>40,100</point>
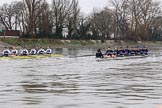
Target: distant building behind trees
<point>124,20</point>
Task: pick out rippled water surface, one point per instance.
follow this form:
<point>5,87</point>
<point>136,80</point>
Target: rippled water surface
<point>75,81</point>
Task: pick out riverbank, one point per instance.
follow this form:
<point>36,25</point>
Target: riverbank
<point>57,43</point>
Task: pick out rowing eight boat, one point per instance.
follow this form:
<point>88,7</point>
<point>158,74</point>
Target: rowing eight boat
<point>30,56</point>
<point>121,57</point>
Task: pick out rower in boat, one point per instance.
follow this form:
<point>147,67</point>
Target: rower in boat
<point>41,51</point>
<point>127,51</point>
<point>6,52</point>
<point>137,51</point>
<point>109,53</point>
<point>144,51</point>
<point>33,51</point>
<point>115,52</point>
<point>99,54</point>
<point>132,51</point>
<point>24,52</point>
<point>49,50</point>
<point>14,51</point>
<point>121,52</point>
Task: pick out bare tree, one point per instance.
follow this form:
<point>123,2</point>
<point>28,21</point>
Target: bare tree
<point>143,13</point>
<point>134,17</point>
<point>156,28</point>
<point>61,9</point>
<point>18,11</point>
<point>72,19</point>
<point>149,10</point>
<point>120,17</point>
<point>101,23</point>
<point>7,16</point>
<point>32,11</point>
<point>43,21</point>
<point>83,28</point>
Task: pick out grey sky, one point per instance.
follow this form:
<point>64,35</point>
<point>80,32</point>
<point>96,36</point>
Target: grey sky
<point>86,5</point>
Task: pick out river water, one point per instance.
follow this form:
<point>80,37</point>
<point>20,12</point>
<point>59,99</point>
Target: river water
<point>76,81</point>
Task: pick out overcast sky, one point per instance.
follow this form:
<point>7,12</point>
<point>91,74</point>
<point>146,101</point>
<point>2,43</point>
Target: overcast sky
<point>86,5</point>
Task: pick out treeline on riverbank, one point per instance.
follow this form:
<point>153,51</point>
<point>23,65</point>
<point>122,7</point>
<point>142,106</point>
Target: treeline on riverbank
<point>48,42</point>
<point>60,43</point>
<point>62,19</point>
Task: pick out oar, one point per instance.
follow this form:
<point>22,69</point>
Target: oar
<point>88,55</point>
<point>82,56</point>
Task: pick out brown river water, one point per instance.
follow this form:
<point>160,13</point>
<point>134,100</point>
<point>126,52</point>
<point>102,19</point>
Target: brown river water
<point>79,81</point>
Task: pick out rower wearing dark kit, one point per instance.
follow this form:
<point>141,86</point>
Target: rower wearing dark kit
<point>132,51</point>
<point>137,51</point>
<point>121,52</point>
<point>127,51</point>
<point>99,54</point>
<point>109,52</point>
<point>115,52</point>
<point>145,51</point>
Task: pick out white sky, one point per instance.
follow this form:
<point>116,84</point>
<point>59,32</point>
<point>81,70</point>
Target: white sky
<point>86,6</point>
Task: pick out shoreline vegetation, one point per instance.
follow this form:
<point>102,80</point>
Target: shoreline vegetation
<point>59,43</point>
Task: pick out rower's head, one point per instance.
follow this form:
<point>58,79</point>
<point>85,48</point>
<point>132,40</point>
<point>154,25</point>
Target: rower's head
<point>99,49</point>
<point>5,47</point>
<point>14,47</point>
<point>33,47</point>
<point>108,48</point>
<point>115,48</point>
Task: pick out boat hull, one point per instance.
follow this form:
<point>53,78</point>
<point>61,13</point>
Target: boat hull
<point>31,56</point>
